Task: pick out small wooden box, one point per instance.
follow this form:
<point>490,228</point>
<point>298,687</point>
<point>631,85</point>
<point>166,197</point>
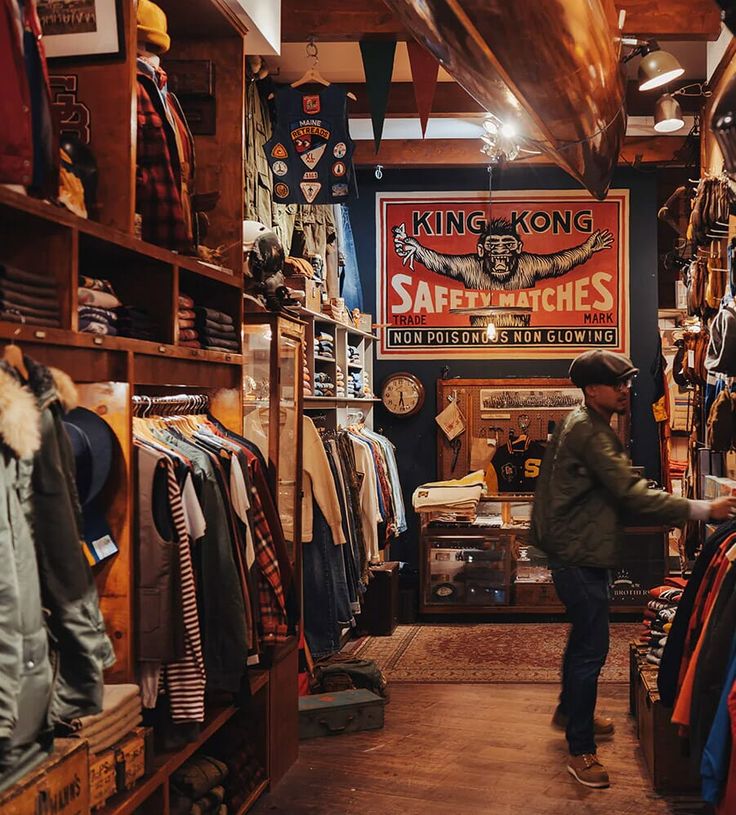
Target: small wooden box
<point>312,292</point>
<point>59,785</point>
<point>665,752</point>
<point>120,767</point>
<point>347,711</point>
<point>380,603</point>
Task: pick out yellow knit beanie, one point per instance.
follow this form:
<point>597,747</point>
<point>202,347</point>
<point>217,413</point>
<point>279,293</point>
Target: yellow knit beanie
<point>152,27</point>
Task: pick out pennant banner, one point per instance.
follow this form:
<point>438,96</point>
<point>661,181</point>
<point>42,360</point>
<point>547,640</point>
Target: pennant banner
<point>424,70</point>
<point>378,64</point>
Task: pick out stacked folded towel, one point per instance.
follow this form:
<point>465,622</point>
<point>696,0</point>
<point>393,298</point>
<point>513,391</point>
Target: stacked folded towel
<point>121,713</point>
<point>658,617</point>
<point>323,384</point>
<point>197,787</point>
<point>26,297</point>
<point>216,329</point>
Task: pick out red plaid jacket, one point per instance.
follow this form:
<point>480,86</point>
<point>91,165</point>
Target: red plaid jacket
<point>158,192</point>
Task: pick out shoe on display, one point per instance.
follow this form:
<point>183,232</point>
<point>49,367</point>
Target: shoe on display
<point>602,725</point>
<point>588,771</point>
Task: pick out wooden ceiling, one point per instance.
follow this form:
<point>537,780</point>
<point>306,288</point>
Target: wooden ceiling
<point>353,20</point>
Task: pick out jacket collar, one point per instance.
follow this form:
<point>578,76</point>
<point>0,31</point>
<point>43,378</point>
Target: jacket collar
<point>20,424</point>
<point>50,385</point>
<point>596,417</point>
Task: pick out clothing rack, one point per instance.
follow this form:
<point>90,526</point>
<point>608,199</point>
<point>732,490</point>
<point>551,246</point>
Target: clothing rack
<point>176,405</point>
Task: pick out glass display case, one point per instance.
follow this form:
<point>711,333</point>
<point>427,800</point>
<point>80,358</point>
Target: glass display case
<point>272,409</point>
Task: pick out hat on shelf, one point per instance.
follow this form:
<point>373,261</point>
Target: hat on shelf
<point>152,28</point>
<point>601,368</point>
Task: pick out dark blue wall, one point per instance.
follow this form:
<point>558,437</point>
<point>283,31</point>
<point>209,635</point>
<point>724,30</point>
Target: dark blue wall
<point>415,438</point>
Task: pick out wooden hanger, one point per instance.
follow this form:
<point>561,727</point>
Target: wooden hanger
<point>14,356</point>
<point>312,74</point>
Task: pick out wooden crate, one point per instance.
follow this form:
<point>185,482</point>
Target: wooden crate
<point>666,754</point>
<point>119,768</point>
<point>59,785</point>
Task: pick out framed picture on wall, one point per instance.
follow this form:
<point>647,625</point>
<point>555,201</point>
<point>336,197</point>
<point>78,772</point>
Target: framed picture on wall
<point>493,399</point>
<point>86,30</point>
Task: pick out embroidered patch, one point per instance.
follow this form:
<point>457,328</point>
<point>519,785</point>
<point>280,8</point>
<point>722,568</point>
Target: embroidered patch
<point>280,168</point>
<point>339,169</point>
<point>339,150</point>
<point>310,189</point>
<point>310,139</point>
<point>311,176</point>
<point>279,151</point>
<point>311,105</point>
<point>339,190</point>
<point>281,190</point>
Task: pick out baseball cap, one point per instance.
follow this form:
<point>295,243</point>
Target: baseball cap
<point>601,368</point>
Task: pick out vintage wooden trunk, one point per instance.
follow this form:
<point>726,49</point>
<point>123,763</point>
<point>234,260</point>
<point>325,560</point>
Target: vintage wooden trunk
<point>666,754</point>
<point>120,767</point>
<point>347,711</point>
<point>58,786</point>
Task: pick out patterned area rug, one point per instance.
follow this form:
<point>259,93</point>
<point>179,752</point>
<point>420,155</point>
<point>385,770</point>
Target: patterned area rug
<point>489,652</point>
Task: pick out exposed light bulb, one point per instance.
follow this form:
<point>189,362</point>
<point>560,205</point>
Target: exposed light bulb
<point>508,130</point>
<point>490,126</point>
<point>491,332</point>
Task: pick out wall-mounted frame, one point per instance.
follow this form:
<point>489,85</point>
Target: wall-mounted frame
<point>82,30</point>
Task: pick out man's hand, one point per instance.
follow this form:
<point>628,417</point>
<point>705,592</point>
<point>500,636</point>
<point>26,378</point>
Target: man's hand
<point>721,509</point>
<point>599,240</point>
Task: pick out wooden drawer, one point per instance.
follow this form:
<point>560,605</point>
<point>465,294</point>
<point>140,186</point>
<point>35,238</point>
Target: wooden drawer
<point>59,785</point>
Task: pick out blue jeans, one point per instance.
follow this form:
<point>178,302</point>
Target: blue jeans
<point>351,290</point>
<point>584,592</point>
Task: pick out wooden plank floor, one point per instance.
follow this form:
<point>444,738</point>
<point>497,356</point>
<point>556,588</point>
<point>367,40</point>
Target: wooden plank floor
<point>467,750</point>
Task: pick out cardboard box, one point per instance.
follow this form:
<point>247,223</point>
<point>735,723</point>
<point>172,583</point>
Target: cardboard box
<point>59,785</point>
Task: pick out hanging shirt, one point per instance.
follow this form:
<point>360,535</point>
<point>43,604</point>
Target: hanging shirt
<point>515,467</point>
<point>310,152</point>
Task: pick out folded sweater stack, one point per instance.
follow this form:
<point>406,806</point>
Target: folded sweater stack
<point>26,297</point>
<point>658,616</point>
<point>324,345</point>
<point>323,385</point>
<point>98,306</point>
<point>121,713</point>
<point>216,330</point>
<point>188,334</point>
<point>306,378</point>
<point>355,385</point>
<point>339,380</point>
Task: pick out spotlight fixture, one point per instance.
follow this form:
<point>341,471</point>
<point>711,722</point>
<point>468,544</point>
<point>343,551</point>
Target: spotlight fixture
<point>657,67</point>
<point>499,140</point>
<point>668,114</point>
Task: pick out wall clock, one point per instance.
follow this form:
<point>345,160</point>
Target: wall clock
<point>402,394</point>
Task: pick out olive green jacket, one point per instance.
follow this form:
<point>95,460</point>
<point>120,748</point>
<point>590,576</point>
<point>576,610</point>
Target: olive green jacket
<point>587,491</point>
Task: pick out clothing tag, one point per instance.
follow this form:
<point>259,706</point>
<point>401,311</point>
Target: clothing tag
<point>101,549</point>
<point>451,420</point>
<point>691,358</point>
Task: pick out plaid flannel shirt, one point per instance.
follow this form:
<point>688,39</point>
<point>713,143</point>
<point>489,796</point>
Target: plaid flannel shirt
<point>158,192</point>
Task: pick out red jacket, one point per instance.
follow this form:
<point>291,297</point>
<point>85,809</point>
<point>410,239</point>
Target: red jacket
<point>16,137</point>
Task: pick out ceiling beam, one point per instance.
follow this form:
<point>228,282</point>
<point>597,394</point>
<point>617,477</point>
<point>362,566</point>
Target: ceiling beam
<point>450,100</point>
<point>353,20</point>
<point>466,152</point>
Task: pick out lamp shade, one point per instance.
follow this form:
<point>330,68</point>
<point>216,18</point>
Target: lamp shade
<point>668,114</point>
<point>723,124</point>
<point>658,68</point>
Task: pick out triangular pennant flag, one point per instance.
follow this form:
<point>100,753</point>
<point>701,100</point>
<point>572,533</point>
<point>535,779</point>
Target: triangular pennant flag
<point>378,64</point>
<point>424,70</point>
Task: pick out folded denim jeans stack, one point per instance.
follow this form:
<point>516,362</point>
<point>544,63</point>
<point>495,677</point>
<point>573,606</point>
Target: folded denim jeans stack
<point>355,385</point>
<point>323,384</point>
<point>216,329</point>
<point>353,355</point>
<point>136,323</point>
<point>121,713</point>
<point>27,297</point>
<point>659,615</point>
<point>197,787</point>
<point>98,306</point>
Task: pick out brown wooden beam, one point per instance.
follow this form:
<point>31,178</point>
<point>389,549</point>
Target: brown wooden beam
<point>353,20</point>
<point>466,152</point>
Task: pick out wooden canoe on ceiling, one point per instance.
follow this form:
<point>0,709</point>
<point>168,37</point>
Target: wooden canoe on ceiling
<point>552,67</point>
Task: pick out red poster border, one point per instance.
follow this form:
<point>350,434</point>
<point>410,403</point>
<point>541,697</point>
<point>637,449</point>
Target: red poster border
<point>619,196</point>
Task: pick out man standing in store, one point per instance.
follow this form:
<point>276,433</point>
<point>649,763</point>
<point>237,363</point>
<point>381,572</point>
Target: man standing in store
<point>586,492</point>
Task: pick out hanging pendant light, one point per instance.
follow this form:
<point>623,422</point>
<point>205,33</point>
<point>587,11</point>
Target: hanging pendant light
<point>657,68</point>
<point>668,114</point>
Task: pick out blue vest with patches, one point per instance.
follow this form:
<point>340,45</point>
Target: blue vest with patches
<point>310,153</point>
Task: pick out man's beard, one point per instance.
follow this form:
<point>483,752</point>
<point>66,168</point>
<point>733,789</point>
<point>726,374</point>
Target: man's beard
<point>501,268</point>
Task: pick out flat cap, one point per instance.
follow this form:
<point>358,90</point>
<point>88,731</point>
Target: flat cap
<point>601,368</point>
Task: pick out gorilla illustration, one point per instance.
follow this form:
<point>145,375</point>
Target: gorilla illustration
<point>499,261</point>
